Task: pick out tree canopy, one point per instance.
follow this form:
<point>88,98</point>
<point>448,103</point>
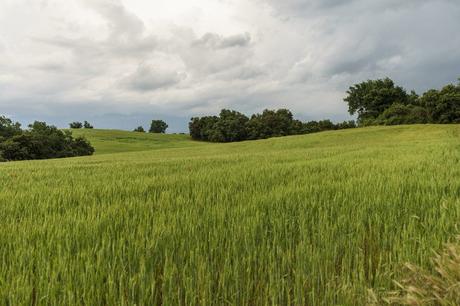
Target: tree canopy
<point>382,102</point>
<point>87,125</point>
<point>9,128</point>
<point>76,125</point>
<point>232,126</point>
<point>371,98</point>
<point>158,126</point>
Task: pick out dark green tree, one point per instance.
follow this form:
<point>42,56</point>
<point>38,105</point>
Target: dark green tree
<point>311,127</point>
<point>370,99</point>
<point>443,106</point>
<point>402,114</point>
<point>326,125</point>
<point>76,125</point>
<point>8,128</point>
<point>87,125</point>
<point>158,126</point>
<point>351,124</point>
<point>234,126</point>
<point>272,123</point>
<point>203,128</point>
<point>230,127</point>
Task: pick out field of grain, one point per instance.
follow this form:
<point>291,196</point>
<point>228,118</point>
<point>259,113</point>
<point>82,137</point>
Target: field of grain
<point>304,220</point>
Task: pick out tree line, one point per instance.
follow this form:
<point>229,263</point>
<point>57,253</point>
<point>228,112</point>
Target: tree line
<point>232,126</point>
<point>381,102</point>
<point>375,102</point>
<point>39,141</point>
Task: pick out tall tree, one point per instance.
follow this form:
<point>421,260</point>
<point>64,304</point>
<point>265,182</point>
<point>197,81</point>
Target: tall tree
<point>370,99</point>
<point>158,126</point>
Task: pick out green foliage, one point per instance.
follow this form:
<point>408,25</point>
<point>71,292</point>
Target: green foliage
<point>443,106</point>
<point>230,127</point>
<point>87,125</point>
<point>273,124</point>
<point>76,125</point>
<point>139,129</point>
<point>158,126</point>
<point>402,114</point>
<point>305,220</point>
<point>203,128</point>
<point>233,126</point>
<point>371,98</point>
<point>9,128</point>
<point>381,102</point>
<point>42,141</point>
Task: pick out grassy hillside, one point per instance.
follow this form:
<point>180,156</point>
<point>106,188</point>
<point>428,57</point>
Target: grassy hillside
<point>114,141</point>
<point>306,220</point>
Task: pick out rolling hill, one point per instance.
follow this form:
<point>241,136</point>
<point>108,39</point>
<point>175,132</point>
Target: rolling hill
<point>159,219</point>
<point>115,141</point>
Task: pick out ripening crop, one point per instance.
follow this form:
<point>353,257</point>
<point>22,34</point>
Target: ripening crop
<point>304,220</point>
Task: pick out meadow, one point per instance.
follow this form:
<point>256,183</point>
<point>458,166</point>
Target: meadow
<point>302,220</point>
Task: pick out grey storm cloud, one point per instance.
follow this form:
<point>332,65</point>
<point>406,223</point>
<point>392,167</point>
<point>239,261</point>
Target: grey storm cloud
<point>67,59</point>
<point>213,40</point>
<point>148,78</point>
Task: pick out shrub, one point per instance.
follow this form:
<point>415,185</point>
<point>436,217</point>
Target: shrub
<point>139,129</point>
<point>87,125</point>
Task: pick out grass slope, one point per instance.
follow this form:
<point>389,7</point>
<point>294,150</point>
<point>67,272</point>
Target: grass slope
<point>305,220</point>
<point>114,141</point>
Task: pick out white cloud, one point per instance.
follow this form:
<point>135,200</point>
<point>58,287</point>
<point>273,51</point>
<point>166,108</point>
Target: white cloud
<point>194,57</point>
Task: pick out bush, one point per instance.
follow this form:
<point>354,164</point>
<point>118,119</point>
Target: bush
<point>139,129</point>
<point>81,147</point>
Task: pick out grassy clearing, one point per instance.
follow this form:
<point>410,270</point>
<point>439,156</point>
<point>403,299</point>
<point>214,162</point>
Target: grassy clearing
<point>114,141</point>
<point>305,220</point>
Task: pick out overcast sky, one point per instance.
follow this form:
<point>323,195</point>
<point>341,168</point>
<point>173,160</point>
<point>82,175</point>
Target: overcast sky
<point>119,63</point>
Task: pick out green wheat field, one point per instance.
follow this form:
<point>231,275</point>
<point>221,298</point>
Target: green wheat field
<point>162,220</point>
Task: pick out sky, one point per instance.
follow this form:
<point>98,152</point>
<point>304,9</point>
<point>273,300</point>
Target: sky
<point>121,63</point>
